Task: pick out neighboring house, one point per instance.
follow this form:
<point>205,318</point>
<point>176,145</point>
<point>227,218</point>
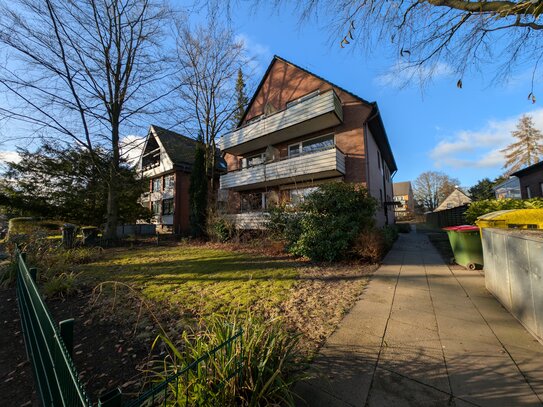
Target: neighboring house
<point>509,188</point>
<point>405,202</point>
<point>299,131</point>
<point>166,161</point>
<point>455,199</point>
<point>531,181</point>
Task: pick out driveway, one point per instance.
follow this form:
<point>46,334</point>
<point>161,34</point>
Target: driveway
<point>424,334</point>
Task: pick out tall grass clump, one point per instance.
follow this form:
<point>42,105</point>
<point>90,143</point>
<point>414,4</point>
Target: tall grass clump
<point>257,370</point>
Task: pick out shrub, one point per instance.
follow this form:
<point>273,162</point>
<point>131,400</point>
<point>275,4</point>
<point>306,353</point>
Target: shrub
<point>483,207</point>
<point>220,229</point>
<point>331,219</point>
<point>30,225</point>
<point>370,245</point>
<point>285,224</point>
<point>266,376</point>
<point>403,227</point>
<point>390,235</point>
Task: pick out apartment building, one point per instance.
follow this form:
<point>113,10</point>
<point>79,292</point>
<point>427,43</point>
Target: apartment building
<point>299,131</point>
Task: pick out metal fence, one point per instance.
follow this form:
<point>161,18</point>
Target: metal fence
<point>49,349</point>
<point>46,346</point>
<point>447,217</point>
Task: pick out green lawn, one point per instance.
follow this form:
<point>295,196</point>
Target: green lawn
<point>197,279</point>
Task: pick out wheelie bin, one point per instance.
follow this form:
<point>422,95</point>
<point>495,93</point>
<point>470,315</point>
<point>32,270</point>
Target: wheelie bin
<point>466,246</point>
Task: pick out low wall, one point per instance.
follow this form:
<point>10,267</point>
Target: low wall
<point>139,229</point>
<point>513,273</point>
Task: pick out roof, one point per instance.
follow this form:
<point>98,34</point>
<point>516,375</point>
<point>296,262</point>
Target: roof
<point>455,199</point>
<point>375,121</point>
<point>401,188</point>
<point>536,167</point>
<point>179,148</point>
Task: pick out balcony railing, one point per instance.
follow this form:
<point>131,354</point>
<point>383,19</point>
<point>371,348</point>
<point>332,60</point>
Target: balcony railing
<point>317,113</point>
<point>306,167</point>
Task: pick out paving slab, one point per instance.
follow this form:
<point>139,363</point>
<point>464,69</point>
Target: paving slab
<point>426,334</point>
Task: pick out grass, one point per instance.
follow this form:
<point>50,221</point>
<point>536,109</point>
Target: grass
<point>197,279</point>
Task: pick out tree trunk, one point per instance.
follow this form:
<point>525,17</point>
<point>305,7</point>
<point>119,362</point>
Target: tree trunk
<point>112,220</point>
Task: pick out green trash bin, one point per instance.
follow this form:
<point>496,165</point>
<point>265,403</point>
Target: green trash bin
<point>466,245</point>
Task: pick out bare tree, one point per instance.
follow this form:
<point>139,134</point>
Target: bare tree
<point>432,187</point>
<point>209,58</point>
<point>432,35</point>
<point>82,71</point>
<point>528,148</point>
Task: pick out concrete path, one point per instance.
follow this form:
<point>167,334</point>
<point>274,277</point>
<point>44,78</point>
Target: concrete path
<point>424,334</point>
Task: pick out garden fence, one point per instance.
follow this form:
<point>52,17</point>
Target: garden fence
<point>49,349</point>
<point>447,217</point>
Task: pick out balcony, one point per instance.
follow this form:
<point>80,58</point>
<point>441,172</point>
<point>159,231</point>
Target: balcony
<point>249,221</point>
<point>319,112</point>
<point>306,167</point>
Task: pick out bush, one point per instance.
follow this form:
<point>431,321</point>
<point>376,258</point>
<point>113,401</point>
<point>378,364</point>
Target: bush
<point>403,227</point>
<point>390,235</point>
<point>285,224</point>
<point>370,245</point>
<point>331,219</point>
<point>220,229</point>
<point>266,376</point>
<point>31,225</point>
<point>483,207</point>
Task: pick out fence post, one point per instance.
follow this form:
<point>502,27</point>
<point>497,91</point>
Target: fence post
<point>67,333</point>
<point>33,273</point>
<point>112,398</point>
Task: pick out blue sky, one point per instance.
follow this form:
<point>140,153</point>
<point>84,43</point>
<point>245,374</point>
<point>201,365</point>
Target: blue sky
<point>438,127</point>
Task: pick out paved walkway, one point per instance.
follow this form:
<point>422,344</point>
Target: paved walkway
<point>426,335</point>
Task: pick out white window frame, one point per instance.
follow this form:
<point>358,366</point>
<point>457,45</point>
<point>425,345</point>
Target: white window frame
<point>166,181</point>
<point>301,147</point>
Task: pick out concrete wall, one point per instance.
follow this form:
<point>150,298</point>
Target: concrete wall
<point>513,274</point>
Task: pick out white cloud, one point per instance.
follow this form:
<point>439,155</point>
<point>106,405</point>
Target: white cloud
<point>259,54</point>
<point>402,72</point>
<point>8,156</point>
<point>131,148</point>
<point>479,148</point>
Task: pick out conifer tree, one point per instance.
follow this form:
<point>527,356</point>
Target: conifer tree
<point>527,150</point>
<point>242,99</point>
<point>198,191</point>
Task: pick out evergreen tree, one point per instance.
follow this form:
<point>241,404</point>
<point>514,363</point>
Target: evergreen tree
<point>242,99</point>
<point>527,150</point>
<point>198,192</point>
<point>482,190</point>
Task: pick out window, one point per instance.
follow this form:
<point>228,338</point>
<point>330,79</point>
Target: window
<point>528,192</point>
<point>167,206</point>
<point>308,146</point>
<point>156,208</point>
<point>169,181</point>
<point>379,159</point>
<point>303,98</point>
<point>294,150</point>
<point>252,201</point>
<point>297,196</point>
<point>157,184</point>
<point>255,160</point>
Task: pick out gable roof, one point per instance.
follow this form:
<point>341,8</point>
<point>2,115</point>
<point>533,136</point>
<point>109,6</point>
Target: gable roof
<point>179,148</point>
<point>278,58</point>
<point>375,122</point>
<point>455,199</point>
<point>401,188</point>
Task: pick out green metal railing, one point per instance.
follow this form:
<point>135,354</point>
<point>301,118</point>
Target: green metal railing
<point>200,382</point>
<point>48,347</point>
